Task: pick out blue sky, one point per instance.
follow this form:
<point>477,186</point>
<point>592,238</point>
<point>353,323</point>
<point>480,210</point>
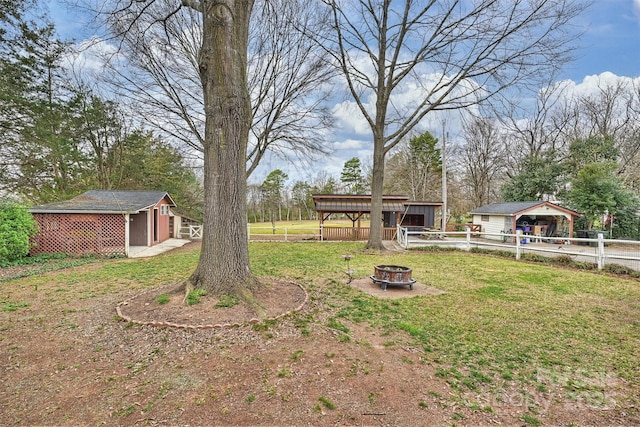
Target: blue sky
<point>610,43</point>
<point>611,39</point>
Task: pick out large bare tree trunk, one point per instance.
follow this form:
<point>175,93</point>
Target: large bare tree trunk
<point>377,186</point>
<point>224,261</point>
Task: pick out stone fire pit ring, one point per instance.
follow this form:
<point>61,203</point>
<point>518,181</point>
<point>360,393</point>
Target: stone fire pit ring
<point>395,275</point>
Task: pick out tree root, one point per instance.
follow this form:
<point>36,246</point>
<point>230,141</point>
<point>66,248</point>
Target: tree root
<point>188,287</point>
<point>245,294</point>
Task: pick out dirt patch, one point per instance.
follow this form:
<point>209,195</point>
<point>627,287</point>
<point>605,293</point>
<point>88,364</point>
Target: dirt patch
<point>394,292</point>
<point>165,306</point>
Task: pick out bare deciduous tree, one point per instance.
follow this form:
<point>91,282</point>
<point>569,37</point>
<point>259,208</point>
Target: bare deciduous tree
<point>158,71</point>
<point>288,81</point>
<point>455,53</point>
<point>483,158</point>
<point>221,60</point>
<point>534,130</point>
<point>630,143</point>
<point>224,266</point>
<point>562,117</point>
<point>612,111</point>
<point>415,168</point>
<point>608,111</point>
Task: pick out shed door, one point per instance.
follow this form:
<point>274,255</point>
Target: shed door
<point>138,229</point>
<point>508,225</point>
<point>156,219</point>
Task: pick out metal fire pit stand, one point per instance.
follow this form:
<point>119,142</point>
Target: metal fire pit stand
<point>394,275</point>
<point>384,283</point>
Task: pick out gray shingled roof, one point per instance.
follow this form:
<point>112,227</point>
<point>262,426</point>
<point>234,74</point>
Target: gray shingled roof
<point>509,208</point>
<point>106,201</point>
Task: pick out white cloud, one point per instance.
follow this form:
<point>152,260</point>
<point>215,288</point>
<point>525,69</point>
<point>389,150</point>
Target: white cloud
<point>350,122</point>
<point>593,84</point>
<point>88,56</point>
<point>351,144</point>
<point>349,119</point>
<point>636,9</point>
<point>354,136</point>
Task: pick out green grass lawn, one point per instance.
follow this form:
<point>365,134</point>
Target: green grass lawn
<point>500,320</point>
<point>500,323</point>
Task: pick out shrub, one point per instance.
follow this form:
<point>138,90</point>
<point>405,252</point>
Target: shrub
<point>436,248</point>
<point>535,258</point>
<point>563,260</point>
<point>618,269</point>
<point>582,265</point>
<point>498,253</point>
<point>16,227</point>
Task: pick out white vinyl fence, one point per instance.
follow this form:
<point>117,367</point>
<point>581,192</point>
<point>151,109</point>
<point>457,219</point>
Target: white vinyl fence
<point>191,232</point>
<point>283,234</point>
<point>599,251</point>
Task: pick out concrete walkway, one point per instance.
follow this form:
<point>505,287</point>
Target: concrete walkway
<point>148,251</point>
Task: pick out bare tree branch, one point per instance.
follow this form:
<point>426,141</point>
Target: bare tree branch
<point>286,76</point>
<point>456,53</point>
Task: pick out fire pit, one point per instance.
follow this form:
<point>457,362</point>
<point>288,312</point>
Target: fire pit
<point>392,275</point>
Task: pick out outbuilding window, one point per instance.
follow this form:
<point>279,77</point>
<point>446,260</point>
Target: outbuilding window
<point>484,218</point>
<point>413,220</point>
<point>164,210</point>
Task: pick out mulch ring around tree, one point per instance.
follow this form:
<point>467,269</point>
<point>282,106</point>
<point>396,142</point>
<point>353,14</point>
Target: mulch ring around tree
<point>165,306</point>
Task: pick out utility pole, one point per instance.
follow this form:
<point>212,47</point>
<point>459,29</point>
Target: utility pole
<point>444,177</point>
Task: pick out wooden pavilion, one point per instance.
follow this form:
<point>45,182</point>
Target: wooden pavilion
<point>396,209</point>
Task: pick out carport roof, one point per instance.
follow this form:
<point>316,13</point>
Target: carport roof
<point>106,201</point>
<point>514,208</point>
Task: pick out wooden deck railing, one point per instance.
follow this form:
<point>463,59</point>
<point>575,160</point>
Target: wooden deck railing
<point>475,228</point>
<point>354,233</point>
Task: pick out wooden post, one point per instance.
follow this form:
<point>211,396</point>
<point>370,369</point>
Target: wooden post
<point>600,254</point>
<point>444,178</point>
<point>126,234</point>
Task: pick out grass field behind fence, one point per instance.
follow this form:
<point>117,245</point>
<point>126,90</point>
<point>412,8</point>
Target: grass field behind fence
<point>299,227</point>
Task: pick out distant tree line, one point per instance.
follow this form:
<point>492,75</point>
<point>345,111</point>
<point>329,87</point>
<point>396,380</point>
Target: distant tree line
<point>580,150</point>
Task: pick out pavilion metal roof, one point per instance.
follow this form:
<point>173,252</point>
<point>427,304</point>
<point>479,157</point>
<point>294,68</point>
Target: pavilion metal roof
<point>341,203</point>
